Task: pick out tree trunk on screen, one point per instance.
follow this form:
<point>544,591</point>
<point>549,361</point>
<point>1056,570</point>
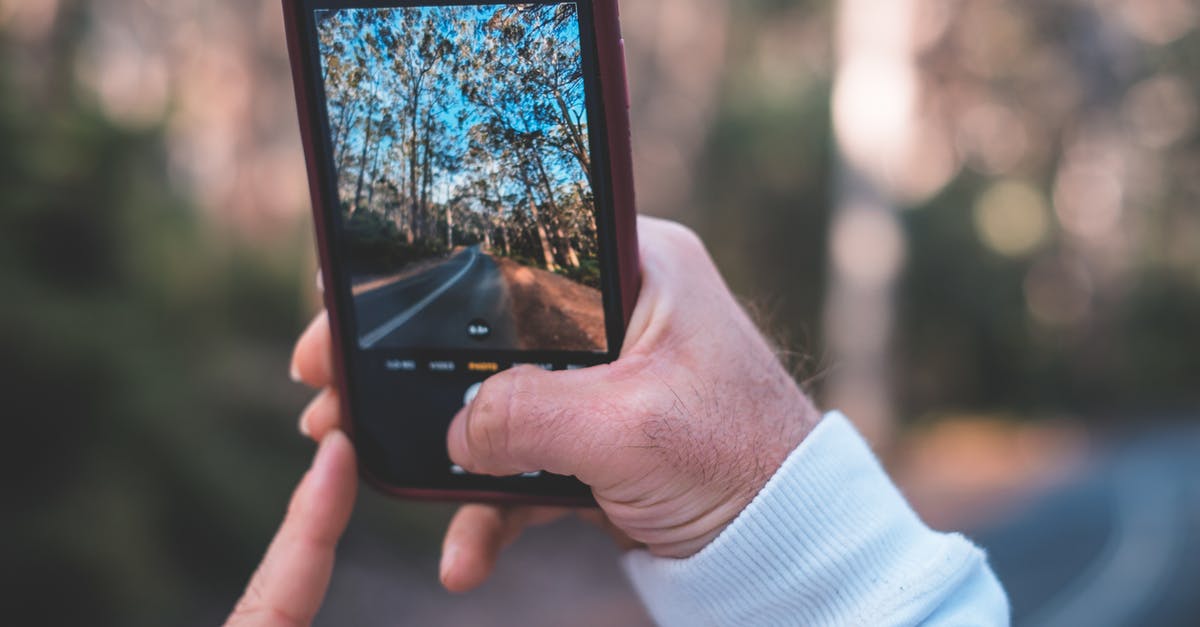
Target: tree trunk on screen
<point>362,166</point>
<point>374,177</point>
<point>575,135</point>
<point>346,122</point>
<point>562,245</point>
<point>589,210</point>
<point>415,218</point>
<point>543,239</point>
<point>571,257</point>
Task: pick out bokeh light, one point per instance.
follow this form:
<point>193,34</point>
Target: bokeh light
<point>1012,218</point>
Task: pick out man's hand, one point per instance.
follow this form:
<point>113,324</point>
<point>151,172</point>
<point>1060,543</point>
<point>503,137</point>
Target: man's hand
<point>675,438</point>
<point>289,585</point>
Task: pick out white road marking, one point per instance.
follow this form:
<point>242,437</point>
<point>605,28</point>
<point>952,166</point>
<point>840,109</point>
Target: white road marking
<point>374,337</point>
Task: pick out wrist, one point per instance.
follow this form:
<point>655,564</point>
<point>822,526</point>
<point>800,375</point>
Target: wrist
<point>829,540</point>
<point>759,463</point>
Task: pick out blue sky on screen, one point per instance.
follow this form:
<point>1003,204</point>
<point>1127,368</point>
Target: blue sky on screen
<point>466,26</point>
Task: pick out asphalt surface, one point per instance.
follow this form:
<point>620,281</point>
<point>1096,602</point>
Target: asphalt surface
<point>435,309</point>
<point>1119,546</point>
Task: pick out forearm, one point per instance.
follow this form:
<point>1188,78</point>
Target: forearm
<point>828,541</point>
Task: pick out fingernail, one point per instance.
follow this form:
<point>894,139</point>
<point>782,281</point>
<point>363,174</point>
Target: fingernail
<point>449,557</point>
<point>305,428</point>
<point>294,373</point>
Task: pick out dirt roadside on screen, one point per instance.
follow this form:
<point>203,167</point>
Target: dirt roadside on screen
<point>553,312</point>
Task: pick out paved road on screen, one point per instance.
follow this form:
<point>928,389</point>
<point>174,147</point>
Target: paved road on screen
<point>434,309</point>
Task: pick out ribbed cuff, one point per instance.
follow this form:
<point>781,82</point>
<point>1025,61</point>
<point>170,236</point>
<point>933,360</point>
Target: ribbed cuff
<point>828,541</point>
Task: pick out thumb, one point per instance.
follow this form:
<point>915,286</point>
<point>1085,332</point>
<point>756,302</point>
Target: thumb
<point>528,419</point>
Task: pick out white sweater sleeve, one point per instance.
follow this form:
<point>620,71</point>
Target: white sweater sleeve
<point>828,541</point>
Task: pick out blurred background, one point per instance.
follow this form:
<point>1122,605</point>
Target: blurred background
<point>973,225</point>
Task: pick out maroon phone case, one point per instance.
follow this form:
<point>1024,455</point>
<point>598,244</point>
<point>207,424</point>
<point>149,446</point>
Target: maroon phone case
<point>614,88</point>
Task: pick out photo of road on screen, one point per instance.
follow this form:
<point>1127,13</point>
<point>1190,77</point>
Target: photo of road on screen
<point>460,139</point>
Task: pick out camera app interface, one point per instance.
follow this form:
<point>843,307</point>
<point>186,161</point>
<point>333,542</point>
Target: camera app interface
<point>460,140</point>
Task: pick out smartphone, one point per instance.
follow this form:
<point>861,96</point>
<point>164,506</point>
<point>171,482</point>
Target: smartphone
<point>472,187</point>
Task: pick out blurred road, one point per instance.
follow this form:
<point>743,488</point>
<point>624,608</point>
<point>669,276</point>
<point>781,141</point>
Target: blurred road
<point>567,573</point>
<point>1120,546</point>
<point>435,307</point>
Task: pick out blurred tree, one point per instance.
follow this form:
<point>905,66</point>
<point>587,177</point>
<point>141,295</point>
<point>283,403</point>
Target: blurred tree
<point>1044,214</point>
<point>142,431</point>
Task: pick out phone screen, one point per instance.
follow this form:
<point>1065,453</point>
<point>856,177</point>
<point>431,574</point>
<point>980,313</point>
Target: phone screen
<point>469,222</point>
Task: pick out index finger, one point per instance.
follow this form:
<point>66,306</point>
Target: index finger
<point>289,585</point>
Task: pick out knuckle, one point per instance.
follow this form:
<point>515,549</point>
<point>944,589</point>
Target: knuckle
<point>525,416</point>
<point>519,402</point>
<point>490,417</point>
<point>684,237</point>
<point>690,257</point>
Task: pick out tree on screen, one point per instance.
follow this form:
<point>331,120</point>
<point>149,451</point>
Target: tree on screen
<point>463,126</point>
